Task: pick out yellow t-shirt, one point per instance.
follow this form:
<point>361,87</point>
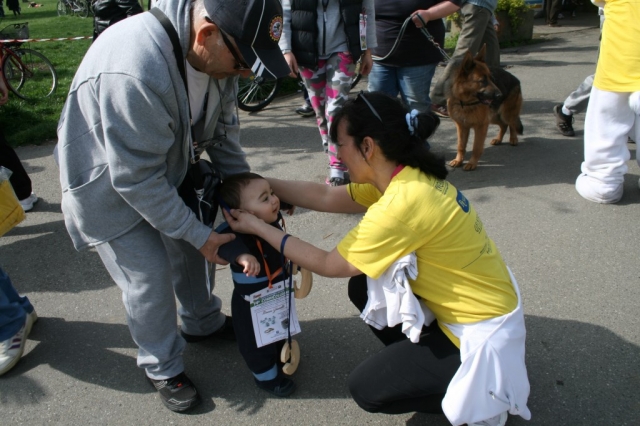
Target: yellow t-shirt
<point>619,62</point>
<point>461,275</point>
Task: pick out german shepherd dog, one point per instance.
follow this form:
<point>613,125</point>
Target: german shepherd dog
<point>480,95</point>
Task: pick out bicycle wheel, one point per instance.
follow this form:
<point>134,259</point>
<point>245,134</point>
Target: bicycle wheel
<point>82,8</point>
<point>35,76</point>
<point>255,93</point>
<point>12,71</point>
<point>63,8</point>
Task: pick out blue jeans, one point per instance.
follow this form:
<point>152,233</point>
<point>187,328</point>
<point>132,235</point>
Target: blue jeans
<point>413,83</point>
<point>13,308</point>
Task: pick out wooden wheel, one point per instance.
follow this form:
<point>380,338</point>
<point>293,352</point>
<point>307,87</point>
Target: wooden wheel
<point>290,356</point>
<point>306,281</point>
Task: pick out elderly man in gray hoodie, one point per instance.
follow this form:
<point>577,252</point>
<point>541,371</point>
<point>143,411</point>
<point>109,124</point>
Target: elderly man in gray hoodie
<point>124,145</point>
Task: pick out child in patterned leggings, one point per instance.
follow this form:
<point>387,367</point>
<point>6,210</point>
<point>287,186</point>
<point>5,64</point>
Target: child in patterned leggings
<point>325,51</point>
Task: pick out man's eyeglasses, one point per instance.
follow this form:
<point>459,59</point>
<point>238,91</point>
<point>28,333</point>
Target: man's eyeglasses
<point>366,101</point>
<point>240,64</point>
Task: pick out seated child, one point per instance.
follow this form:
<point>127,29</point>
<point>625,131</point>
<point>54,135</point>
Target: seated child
<point>246,254</point>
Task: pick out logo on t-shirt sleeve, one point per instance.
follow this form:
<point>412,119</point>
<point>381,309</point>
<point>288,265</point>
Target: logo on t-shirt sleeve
<point>462,202</point>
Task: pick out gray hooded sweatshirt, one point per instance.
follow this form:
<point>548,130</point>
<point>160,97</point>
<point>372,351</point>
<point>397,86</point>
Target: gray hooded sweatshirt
<point>124,134</point>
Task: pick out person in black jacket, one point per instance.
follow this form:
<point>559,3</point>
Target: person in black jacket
<point>323,40</point>
<point>108,12</point>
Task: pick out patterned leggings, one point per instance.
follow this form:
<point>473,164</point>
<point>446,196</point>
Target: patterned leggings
<point>328,86</point>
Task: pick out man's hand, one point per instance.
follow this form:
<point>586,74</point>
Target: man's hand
<point>250,263</point>
<point>210,249</point>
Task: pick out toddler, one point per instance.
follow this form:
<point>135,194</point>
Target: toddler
<point>254,264</point>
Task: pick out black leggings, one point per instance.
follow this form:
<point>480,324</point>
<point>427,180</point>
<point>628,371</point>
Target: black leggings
<point>19,178</point>
<point>259,360</point>
<point>403,377</point>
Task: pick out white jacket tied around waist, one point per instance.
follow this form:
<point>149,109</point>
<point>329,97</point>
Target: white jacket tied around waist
<point>391,301</point>
<point>492,377</point>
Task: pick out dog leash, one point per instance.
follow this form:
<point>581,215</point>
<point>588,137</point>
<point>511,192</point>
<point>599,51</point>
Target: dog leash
<point>423,30</point>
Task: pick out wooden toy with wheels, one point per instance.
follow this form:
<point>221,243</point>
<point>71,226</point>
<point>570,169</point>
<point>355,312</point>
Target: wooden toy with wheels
<point>306,280</point>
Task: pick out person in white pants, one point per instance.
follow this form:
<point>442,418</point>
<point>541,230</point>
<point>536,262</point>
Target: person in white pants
<point>614,107</point>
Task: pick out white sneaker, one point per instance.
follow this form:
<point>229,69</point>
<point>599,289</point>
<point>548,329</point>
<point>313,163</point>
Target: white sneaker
<point>31,319</point>
<point>27,203</point>
<point>11,350</point>
<point>498,420</point>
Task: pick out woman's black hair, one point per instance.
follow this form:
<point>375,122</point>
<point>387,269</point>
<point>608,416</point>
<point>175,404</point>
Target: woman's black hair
<point>231,188</point>
<point>383,118</point>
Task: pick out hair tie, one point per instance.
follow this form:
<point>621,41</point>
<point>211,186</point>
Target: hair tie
<point>412,121</point>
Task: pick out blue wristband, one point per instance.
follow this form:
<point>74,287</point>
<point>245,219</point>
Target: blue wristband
<point>283,242</point>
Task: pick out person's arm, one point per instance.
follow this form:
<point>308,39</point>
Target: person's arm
<point>251,266</point>
<point>285,39</point>
<point>366,61</point>
<point>328,264</point>
<point>437,11</point>
<point>315,196</point>
<point>233,249</point>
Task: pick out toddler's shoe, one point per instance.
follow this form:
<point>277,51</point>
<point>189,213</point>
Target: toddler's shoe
<point>280,386</point>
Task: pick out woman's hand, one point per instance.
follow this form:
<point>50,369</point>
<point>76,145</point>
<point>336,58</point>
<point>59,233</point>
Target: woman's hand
<point>243,221</point>
<point>424,14</point>
<point>293,64</point>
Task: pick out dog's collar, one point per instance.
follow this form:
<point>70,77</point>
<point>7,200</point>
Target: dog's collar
<point>462,104</point>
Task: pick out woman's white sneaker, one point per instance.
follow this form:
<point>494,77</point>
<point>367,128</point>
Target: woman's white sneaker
<point>27,203</point>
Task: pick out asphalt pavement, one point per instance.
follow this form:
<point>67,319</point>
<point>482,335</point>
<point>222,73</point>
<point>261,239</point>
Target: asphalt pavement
<point>576,263</point>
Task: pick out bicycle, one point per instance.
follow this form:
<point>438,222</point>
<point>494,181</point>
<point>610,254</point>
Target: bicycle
<point>26,72</point>
<point>73,7</point>
<point>255,93</point>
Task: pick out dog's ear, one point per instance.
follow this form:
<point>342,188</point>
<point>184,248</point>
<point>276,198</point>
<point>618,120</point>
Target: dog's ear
<point>467,64</point>
<point>481,53</point>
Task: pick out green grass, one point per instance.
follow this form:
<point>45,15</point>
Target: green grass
<point>35,122</point>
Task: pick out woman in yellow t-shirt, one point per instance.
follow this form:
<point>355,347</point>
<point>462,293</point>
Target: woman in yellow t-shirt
<point>399,184</point>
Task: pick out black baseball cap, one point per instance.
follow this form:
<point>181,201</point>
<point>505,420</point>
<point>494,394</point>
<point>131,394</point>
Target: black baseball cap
<point>256,27</point>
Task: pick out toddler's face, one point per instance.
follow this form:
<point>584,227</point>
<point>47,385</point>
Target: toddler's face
<point>258,198</point>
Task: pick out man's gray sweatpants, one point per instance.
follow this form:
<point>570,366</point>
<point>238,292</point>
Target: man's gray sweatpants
<point>152,270</point>
<point>476,30</point>
<point>578,100</point>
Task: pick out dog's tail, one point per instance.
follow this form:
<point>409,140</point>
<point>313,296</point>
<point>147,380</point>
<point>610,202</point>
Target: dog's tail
<point>519,127</point>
